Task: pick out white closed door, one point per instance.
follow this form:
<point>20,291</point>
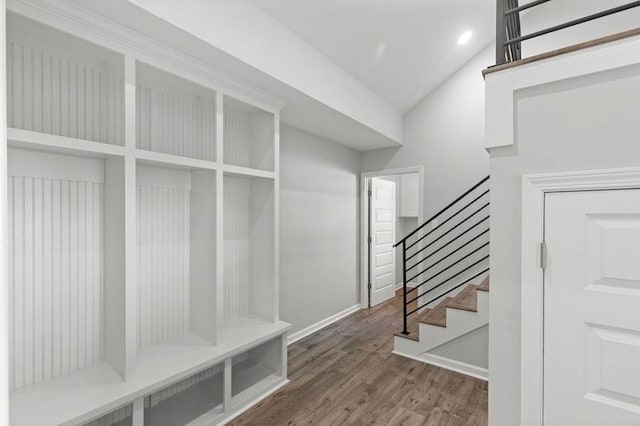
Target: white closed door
<point>383,236</point>
<point>592,309</point>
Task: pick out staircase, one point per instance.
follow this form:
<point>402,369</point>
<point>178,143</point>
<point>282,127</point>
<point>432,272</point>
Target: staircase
<point>448,320</point>
<point>446,287</point>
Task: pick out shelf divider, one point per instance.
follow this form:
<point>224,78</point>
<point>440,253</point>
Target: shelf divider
<point>276,228</point>
<point>203,254</point>
<point>248,172</point>
<point>28,139</point>
<point>219,304</point>
<point>131,275</point>
<point>138,412</point>
<point>115,265</point>
<point>227,385</point>
<point>162,159</point>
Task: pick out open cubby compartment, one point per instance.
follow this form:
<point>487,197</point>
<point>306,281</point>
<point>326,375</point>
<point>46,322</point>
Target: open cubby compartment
<point>173,115</point>
<point>176,257</point>
<point>123,416</point>
<point>66,258</point>
<point>62,85</point>
<point>197,396</point>
<point>256,371</point>
<point>249,250</point>
<point>249,136</point>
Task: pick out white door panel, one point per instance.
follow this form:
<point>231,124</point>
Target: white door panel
<point>383,235</point>
<point>592,309</point>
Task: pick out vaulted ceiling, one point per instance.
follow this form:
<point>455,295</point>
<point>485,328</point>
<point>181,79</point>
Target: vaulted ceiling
<point>400,49</point>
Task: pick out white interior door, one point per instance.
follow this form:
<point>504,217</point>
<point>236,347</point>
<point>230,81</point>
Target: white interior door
<point>592,309</point>
<point>383,236</point>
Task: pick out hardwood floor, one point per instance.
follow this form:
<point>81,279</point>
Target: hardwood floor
<point>346,374</point>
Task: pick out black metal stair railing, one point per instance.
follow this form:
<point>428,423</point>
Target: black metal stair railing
<point>445,257</point>
<point>509,36</point>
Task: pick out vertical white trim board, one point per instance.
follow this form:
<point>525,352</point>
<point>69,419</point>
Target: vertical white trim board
<point>534,188</point>
<point>4,302</point>
<point>299,335</point>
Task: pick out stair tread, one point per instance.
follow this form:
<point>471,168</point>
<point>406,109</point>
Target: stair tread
<point>438,315</point>
<point>411,336</point>
<point>484,286</point>
<point>466,300</point>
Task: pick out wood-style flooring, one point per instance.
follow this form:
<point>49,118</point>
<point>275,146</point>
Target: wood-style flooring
<point>346,374</point>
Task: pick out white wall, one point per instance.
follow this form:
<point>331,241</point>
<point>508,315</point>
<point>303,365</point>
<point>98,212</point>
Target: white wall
<point>585,123</point>
<point>471,348</point>
<point>404,225</point>
<point>445,134</point>
<point>319,228</point>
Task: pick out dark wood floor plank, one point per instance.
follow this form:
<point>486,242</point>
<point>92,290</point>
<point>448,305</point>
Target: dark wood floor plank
<point>346,374</point>
<point>404,417</point>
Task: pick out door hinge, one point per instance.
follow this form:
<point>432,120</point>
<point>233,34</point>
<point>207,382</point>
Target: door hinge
<point>543,255</point>
<point>369,193</point>
<point>369,286</point>
<point>369,239</point>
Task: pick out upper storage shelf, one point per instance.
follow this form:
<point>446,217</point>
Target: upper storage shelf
<point>173,115</point>
<point>249,136</point>
<point>61,85</point>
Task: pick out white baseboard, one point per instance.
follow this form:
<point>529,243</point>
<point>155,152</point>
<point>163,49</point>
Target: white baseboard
<point>292,338</point>
<point>450,364</point>
<point>399,285</point>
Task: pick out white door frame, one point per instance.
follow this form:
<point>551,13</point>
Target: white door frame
<point>534,188</point>
<point>365,178</point>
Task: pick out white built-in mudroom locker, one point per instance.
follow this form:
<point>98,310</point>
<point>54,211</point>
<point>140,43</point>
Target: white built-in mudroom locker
<point>142,229</point>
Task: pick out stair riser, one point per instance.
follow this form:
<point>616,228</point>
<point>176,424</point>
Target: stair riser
<point>403,345</point>
<point>434,338</point>
<point>457,318</point>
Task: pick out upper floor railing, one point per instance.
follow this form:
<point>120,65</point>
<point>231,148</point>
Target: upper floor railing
<point>509,35</point>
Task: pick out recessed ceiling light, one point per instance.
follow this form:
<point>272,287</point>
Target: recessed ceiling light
<point>381,48</point>
<point>465,37</point>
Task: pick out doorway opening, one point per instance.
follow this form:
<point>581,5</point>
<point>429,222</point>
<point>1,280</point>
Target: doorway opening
<point>392,206</point>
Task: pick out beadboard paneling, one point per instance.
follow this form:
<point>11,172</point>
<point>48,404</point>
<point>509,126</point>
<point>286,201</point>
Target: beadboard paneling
<point>163,263</point>
<point>55,275</point>
<point>53,94</point>
<point>237,137</point>
<point>175,123</point>
<point>121,416</point>
<point>236,247</point>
